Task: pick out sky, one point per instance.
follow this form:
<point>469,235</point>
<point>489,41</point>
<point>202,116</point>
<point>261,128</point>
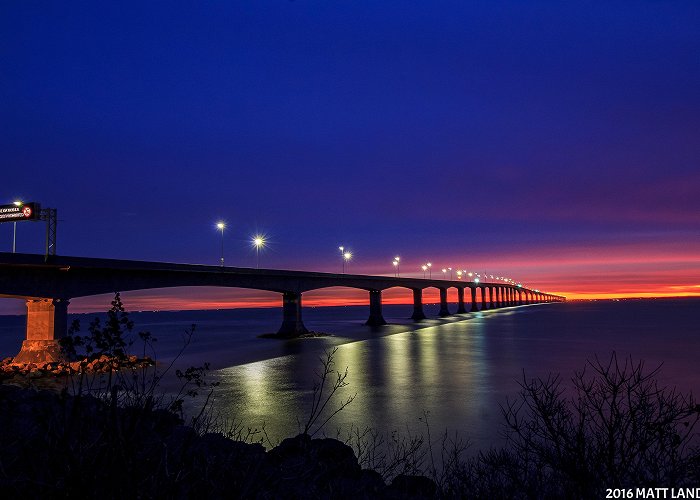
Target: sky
<point>556,143</point>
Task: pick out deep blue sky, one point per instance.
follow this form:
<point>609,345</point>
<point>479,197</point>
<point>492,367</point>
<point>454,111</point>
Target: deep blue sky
<point>503,135</point>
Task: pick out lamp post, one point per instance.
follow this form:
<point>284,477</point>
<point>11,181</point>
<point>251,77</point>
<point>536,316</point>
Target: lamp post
<point>450,270</point>
<point>424,268</point>
<point>346,258</point>
<point>342,257</point>
<point>258,243</point>
<point>14,227</point>
<point>430,270</point>
<point>396,268</point>
<point>221,225</point>
<point>444,273</point>
<point>397,259</point>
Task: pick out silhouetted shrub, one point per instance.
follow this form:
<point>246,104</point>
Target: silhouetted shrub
<point>614,428</point>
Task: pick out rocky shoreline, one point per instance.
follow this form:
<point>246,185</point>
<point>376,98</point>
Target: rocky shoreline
<point>99,364</point>
<point>56,445</point>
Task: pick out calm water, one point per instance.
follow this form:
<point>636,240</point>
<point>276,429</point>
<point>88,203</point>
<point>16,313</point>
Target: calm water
<point>459,370</point>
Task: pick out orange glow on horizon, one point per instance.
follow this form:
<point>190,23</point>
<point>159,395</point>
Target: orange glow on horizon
<point>182,299</point>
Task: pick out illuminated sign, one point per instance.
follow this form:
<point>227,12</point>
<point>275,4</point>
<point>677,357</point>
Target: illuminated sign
<point>19,212</point>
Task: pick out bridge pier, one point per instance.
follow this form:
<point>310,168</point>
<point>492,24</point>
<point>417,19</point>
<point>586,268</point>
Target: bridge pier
<point>47,323</point>
<point>484,305</point>
<point>444,310</point>
<point>418,313</point>
<point>375,309</point>
<point>292,325</point>
<point>474,308</point>
<point>460,301</point>
<point>491,297</point>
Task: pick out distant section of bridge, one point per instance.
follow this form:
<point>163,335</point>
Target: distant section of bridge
<point>48,285</point>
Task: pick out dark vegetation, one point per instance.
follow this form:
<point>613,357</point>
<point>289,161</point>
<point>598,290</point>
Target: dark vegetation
<point>109,434</point>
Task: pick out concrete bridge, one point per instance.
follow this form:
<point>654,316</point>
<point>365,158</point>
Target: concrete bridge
<point>48,285</point>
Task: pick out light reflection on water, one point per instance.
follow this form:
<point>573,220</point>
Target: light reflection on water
<point>458,372</point>
<point>439,369</point>
<point>459,369</point>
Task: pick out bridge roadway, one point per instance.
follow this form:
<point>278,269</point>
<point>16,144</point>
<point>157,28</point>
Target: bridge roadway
<point>49,285</point>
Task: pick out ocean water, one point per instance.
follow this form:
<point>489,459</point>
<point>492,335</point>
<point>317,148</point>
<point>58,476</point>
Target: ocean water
<point>457,371</point>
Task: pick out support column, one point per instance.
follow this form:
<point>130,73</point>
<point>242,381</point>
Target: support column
<point>375,309</point>
<point>491,297</point>
<point>444,311</point>
<point>47,323</point>
<point>520,297</point>
<point>527,297</point>
<point>511,293</point>
<point>460,301</point>
<point>484,305</point>
<point>418,313</point>
<point>498,297</point>
<point>474,308</point>
<point>292,325</point>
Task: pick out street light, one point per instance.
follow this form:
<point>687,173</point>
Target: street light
<point>424,268</point>
<point>430,270</point>
<point>444,273</point>
<point>258,242</point>
<point>346,258</point>
<point>221,225</point>
<point>397,259</point>
<point>14,227</point>
<point>396,268</point>
<point>342,257</point>
<point>459,274</point>
<point>450,270</point>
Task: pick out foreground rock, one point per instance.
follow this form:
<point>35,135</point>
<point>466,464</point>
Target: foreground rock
<point>58,445</point>
<point>100,364</point>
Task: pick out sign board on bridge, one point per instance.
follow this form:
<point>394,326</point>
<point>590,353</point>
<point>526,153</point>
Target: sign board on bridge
<point>20,212</point>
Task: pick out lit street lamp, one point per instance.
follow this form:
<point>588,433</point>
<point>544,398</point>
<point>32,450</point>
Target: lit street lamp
<point>396,268</point>
<point>346,258</point>
<point>397,259</point>
<point>459,274</point>
<point>444,273</point>
<point>424,268</point>
<point>221,225</point>
<point>258,242</point>
<point>450,270</point>
<point>14,227</point>
<point>430,270</point>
